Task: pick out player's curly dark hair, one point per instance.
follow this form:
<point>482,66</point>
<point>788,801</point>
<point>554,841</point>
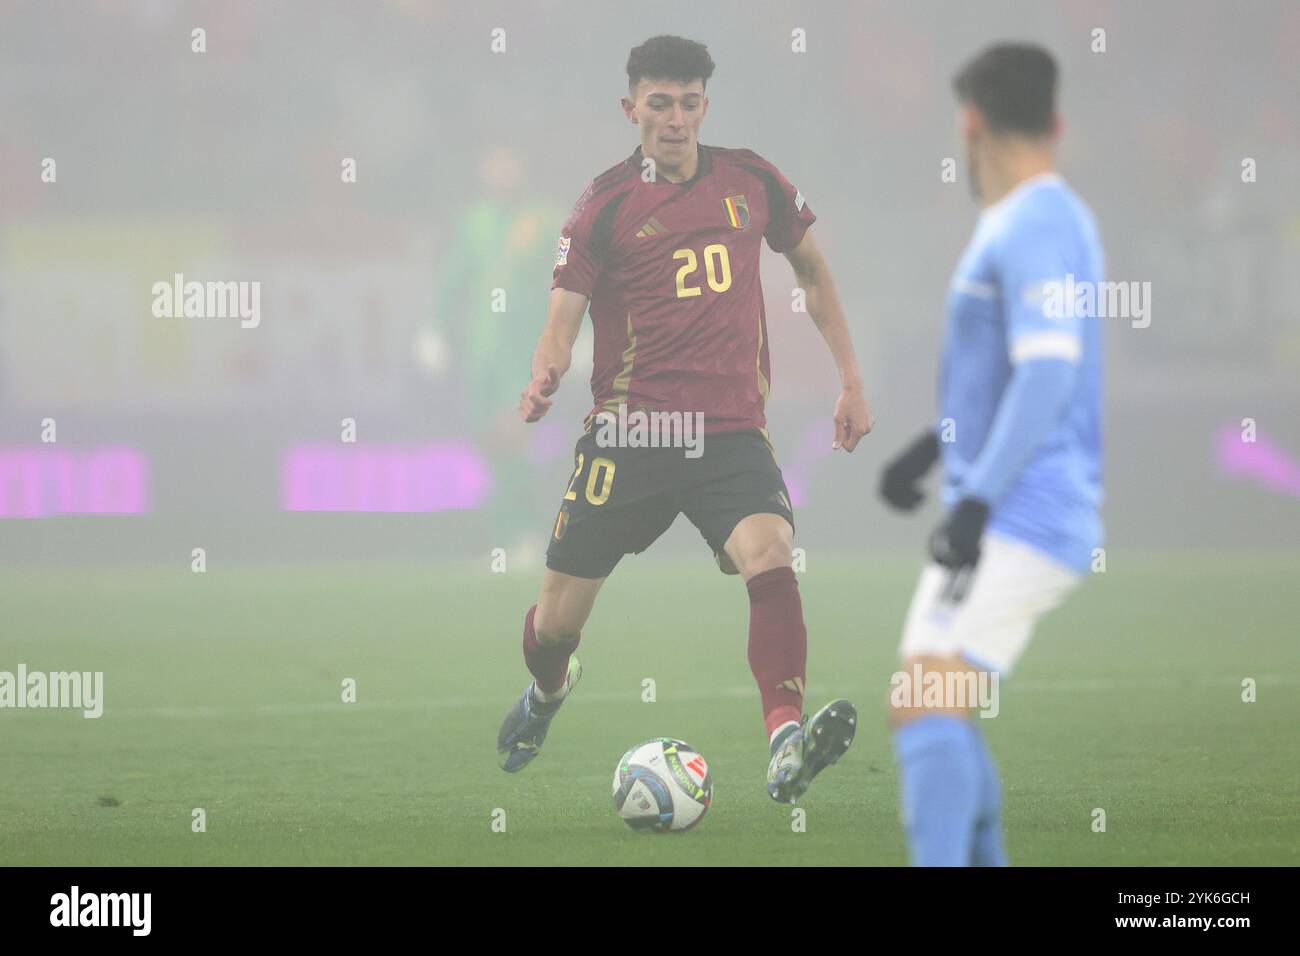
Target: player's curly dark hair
<point>1013,85</point>
<point>669,58</point>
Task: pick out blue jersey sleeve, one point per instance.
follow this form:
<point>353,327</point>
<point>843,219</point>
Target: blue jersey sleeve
<point>1037,272</point>
<point>1030,408</point>
<point>1044,345</point>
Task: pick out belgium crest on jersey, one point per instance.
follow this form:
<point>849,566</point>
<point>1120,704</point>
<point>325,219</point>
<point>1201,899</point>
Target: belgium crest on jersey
<point>737,211</point>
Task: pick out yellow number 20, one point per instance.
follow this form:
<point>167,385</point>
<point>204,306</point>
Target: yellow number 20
<point>717,270</point>
<point>600,467</point>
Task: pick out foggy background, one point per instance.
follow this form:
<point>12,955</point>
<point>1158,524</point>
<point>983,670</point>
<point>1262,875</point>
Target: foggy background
<point>376,296</point>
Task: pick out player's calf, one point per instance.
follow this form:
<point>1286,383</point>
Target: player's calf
<point>951,794</point>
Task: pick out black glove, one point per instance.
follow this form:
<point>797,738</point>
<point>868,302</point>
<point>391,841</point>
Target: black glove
<point>898,483</point>
<point>956,543</point>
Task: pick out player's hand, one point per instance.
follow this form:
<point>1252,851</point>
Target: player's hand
<point>955,544</point>
<point>535,400</point>
<point>853,419</point>
<point>898,485</point>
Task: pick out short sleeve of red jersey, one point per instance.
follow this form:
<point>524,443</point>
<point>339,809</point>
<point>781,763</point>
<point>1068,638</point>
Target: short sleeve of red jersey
<point>576,262</point>
<point>788,216</point>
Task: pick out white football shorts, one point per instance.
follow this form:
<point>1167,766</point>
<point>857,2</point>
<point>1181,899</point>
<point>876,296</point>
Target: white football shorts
<point>1012,586</point>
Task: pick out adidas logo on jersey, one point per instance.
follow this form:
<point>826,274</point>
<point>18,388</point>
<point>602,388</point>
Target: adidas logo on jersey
<point>651,228</point>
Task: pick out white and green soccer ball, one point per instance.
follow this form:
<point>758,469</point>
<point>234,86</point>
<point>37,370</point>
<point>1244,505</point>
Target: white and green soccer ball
<point>662,785</point>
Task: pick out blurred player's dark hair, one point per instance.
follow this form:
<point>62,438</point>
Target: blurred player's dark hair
<point>669,58</point>
<point>1013,85</point>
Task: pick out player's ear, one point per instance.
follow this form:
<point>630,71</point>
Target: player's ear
<point>971,123</point>
<point>629,108</point>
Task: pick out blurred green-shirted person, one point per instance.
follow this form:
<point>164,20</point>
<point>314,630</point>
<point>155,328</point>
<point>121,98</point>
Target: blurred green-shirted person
<point>503,240</point>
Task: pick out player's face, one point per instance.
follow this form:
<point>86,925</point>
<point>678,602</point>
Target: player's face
<point>669,114</point>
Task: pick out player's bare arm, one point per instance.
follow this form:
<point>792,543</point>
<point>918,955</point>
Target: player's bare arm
<point>554,352</point>
<point>853,417</point>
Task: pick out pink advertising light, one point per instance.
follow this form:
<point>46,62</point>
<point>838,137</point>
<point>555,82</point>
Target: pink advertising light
<point>39,482</point>
<point>435,477</point>
<point>1262,461</point>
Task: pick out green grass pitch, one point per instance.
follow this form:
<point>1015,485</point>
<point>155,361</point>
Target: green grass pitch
<point>222,691</point>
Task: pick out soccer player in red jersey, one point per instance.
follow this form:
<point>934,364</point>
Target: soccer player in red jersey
<point>665,248</point>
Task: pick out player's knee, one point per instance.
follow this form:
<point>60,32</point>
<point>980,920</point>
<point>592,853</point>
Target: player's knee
<point>554,628</point>
<point>555,635</point>
<point>760,542</point>
<point>563,607</point>
<point>764,556</point>
<point>928,685</point>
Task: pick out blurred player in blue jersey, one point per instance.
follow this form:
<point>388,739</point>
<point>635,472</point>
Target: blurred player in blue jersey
<point>1019,434</point>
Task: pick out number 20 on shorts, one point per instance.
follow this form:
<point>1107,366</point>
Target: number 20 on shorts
<point>602,474</point>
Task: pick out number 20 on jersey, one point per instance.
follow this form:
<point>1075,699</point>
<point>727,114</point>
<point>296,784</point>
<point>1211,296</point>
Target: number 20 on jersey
<point>717,270</point>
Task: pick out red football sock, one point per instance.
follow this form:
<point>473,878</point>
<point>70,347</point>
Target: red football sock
<point>548,663</point>
<point>778,645</point>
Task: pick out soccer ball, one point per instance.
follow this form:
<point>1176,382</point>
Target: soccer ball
<point>662,785</point>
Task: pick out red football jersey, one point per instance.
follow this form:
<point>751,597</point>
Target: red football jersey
<point>672,272</point>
